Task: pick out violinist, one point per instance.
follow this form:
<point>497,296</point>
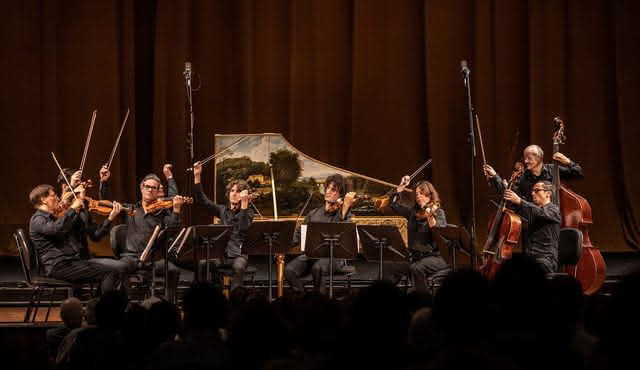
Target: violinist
<point>50,237</point>
<point>332,211</point>
<point>544,223</point>
<point>424,215</point>
<point>237,214</point>
<point>535,170</point>
<point>140,226</point>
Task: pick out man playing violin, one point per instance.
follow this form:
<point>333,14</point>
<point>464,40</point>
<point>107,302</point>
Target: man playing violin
<point>544,223</point>
<point>332,211</point>
<point>535,170</point>
<point>424,215</point>
<point>50,237</point>
<point>237,214</point>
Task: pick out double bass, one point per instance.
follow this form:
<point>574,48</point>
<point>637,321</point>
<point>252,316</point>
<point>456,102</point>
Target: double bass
<point>504,233</point>
<point>575,213</point>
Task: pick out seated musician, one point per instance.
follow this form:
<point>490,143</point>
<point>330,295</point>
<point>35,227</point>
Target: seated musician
<point>85,226</point>
<point>50,237</point>
<point>140,227</point>
<point>535,170</point>
<point>330,212</point>
<point>237,214</point>
<point>425,214</point>
<point>172,185</point>
<point>544,223</point>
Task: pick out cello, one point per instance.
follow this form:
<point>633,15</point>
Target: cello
<point>575,213</point>
<point>504,233</point>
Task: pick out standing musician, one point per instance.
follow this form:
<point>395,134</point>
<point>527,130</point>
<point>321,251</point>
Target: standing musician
<point>424,215</point>
<point>544,223</point>
<point>237,214</point>
<point>331,212</point>
<point>50,237</point>
<point>535,171</point>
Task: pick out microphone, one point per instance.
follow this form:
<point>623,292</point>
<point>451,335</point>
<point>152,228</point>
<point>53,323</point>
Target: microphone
<point>187,72</point>
<point>464,69</point>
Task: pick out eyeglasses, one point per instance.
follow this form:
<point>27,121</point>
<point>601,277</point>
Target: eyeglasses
<point>150,188</point>
<point>534,190</point>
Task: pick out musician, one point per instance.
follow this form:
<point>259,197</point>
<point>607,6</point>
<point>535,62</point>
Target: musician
<point>140,228</point>
<point>172,185</point>
<point>237,214</point>
<point>536,170</point>
<point>422,217</point>
<point>50,237</point>
<point>330,212</point>
<point>544,223</point>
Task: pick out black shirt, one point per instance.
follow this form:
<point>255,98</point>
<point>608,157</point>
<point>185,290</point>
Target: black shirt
<point>85,226</point>
<point>544,229</point>
<point>320,215</point>
<point>419,231</point>
<point>527,180</point>
<point>141,226</point>
<point>50,238</point>
<point>240,220</point>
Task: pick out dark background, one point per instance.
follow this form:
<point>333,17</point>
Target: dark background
<point>370,86</point>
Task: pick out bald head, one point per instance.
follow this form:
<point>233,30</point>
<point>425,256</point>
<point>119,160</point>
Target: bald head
<point>71,313</point>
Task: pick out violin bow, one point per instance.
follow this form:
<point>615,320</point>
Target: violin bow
<point>484,159</point>
<point>86,143</point>
<point>214,156</point>
<point>115,146</point>
<point>63,176</point>
<point>513,147</point>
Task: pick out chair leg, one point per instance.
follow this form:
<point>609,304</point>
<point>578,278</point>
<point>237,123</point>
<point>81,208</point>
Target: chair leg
<point>51,297</point>
<point>35,312</point>
<point>27,314</point>
<point>348,285</point>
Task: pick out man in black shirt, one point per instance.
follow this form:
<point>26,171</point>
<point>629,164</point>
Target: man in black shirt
<point>237,214</point>
<point>544,223</point>
<point>335,189</point>
<point>50,237</point>
<point>424,215</point>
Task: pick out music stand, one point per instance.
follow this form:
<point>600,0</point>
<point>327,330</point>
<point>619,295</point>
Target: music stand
<point>333,240</point>
<point>267,238</point>
<point>455,238</point>
<point>213,239</point>
<point>382,243</point>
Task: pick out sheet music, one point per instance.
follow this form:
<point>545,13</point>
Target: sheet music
<point>147,249</point>
<point>303,239</point>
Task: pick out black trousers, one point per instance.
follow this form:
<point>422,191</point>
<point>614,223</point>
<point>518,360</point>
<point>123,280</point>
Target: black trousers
<point>319,268</point>
<point>419,270</point>
<point>81,271</point>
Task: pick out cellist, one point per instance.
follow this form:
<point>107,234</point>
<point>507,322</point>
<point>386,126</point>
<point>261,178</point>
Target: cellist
<point>543,218</point>
<point>535,170</point>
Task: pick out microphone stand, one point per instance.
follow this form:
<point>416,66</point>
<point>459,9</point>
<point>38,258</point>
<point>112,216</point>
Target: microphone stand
<point>190,138</point>
<point>467,83</point>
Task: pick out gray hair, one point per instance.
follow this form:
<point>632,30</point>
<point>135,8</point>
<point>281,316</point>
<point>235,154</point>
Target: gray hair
<point>151,176</point>
<point>536,149</point>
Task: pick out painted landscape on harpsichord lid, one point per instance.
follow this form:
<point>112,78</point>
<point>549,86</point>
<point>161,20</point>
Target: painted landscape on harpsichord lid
<point>296,176</point>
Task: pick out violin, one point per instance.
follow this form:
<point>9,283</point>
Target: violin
<point>337,205</point>
<point>426,211</point>
<point>104,207</point>
<point>163,203</point>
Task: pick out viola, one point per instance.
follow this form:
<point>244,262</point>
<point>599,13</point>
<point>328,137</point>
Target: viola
<point>504,233</point>
<point>164,203</point>
<point>575,212</point>
<point>337,205</point>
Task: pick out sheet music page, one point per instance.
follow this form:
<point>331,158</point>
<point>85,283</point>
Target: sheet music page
<point>303,236</point>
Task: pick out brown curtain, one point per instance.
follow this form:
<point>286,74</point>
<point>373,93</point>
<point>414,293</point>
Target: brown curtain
<point>371,86</point>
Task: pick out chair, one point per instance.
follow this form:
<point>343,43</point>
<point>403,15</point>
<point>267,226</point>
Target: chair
<point>569,250</point>
<point>118,240</point>
<point>38,284</point>
<point>226,273</point>
<point>346,272</point>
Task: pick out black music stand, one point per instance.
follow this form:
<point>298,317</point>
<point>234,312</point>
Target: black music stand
<point>157,247</point>
<point>332,240</point>
<point>210,240</point>
<point>455,239</point>
<point>267,238</point>
<point>382,243</point>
